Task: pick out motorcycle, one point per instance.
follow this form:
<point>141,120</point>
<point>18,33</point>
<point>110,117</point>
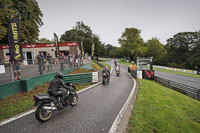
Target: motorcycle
<point>47,104</point>
<point>105,78</point>
<point>117,70</point>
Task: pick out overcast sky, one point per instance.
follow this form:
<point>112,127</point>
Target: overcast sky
<point>109,18</point>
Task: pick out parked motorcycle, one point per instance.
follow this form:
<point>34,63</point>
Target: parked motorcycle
<point>47,104</point>
<point>105,78</point>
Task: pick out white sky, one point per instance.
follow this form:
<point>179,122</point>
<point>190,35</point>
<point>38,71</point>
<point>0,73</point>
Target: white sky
<point>109,18</point>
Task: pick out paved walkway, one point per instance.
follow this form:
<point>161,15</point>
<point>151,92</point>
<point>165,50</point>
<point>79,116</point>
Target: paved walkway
<point>30,71</point>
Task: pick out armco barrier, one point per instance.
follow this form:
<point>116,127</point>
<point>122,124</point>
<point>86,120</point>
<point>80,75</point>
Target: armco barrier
<point>26,84</point>
<point>187,90</point>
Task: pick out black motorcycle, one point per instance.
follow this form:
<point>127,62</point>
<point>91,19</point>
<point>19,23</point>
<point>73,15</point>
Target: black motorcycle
<point>47,104</point>
<point>105,78</point>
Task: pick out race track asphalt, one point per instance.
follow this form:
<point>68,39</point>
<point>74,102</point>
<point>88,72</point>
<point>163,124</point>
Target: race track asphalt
<point>186,80</point>
<point>95,112</point>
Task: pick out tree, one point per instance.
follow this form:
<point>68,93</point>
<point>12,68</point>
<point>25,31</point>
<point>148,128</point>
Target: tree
<point>156,50</point>
<point>115,52</point>
<point>183,49</point>
<point>132,44</point>
<point>44,40</point>
<point>108,48</point>
<point>83,33</point>
<point>30,19</point>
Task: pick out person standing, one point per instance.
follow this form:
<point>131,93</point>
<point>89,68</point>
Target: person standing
<point>40,60</point>
<point>62,60</point>
<point>76,60</point>
<point>69,59</point>
<point>49,62</point>
<point>16,67</point>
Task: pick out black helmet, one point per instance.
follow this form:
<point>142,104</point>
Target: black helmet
<point>59,75</point>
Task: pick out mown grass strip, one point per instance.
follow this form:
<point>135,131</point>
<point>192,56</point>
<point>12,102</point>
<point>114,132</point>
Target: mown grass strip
<point>179,73</point>
<point>125,63</point>
<point>104,63</point>
<point>158,109</point>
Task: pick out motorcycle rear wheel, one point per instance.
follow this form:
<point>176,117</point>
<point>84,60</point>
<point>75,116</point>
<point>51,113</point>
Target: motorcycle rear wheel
<point>42,114</point>
<point>74,100</point>
<point>103,81</point>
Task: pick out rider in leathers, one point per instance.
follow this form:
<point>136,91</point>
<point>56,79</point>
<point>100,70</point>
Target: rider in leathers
<point>106,70</point>
<point>56,87</point>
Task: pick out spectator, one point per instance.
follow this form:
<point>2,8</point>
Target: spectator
<point>40,60</point>
<point>69,60</point>
<point>49,62</point>
<point>16,67</point>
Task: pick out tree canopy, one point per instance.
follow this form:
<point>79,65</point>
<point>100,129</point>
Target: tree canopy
<point>83,33</point>
<point>30,19</point>
<point>184,50</point>
<point>155,50</point>
<point>132,44</point>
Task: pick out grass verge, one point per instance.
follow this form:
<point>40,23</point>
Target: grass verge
<point>179,73</point>
<point>125,63</point>
<point>158,109</point>
<point>104,63</point>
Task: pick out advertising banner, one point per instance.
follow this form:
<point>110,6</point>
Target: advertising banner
<point>56,45</point>
<point>14,40</point>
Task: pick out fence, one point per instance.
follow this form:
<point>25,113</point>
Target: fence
<point>30,71</point>
<point>187,90</point>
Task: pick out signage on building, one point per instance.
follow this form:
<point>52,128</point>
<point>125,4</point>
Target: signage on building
<point>40,45</point>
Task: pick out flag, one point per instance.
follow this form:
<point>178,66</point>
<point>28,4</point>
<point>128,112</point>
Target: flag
<point>56,45</point>
<point>93,49</point>
<point>82,49</point>
<point>14,40</point>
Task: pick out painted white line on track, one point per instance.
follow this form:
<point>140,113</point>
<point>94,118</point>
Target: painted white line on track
<point>16,117</point>
<point>122,111</point>
<point>33,110</point>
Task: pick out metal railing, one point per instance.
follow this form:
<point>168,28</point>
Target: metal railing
<point>187,90</point>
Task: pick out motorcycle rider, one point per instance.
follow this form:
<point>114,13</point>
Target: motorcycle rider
<point>57,88</point>
<point>106,70</point>
<point>117,67</point>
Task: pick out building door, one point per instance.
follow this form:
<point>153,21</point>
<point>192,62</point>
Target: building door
<point>29,57</point>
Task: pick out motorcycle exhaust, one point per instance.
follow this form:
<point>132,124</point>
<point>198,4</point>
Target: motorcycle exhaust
<point>49,108</point>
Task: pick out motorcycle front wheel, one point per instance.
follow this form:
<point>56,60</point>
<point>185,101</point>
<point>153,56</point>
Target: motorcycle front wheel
<point>42,114</point>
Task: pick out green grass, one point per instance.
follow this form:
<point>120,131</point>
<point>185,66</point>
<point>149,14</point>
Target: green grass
<point>162,110</point>
<point>125,63</point>
<point>21,102</point>
<point>105,59</point>
<point>179,73</point>
<point>96,66</point>
<point>104,63</point>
